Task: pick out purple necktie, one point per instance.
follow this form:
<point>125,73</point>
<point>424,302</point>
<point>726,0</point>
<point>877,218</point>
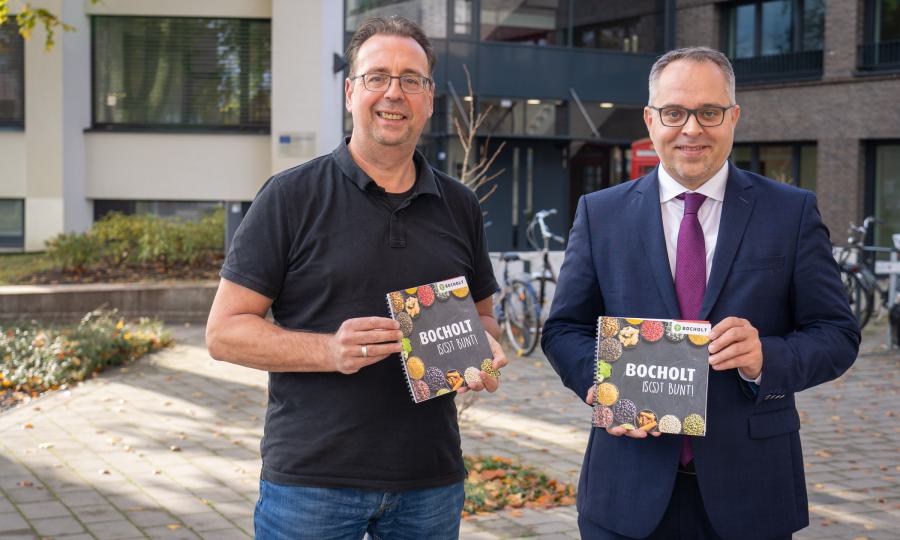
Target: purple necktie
<point>690,276</point>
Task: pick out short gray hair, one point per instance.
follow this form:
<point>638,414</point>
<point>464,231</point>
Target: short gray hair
<point>694,54</point>
<point>395,25</point>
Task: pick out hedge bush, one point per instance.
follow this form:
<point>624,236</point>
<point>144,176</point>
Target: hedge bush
<point>35,358</point>
<point>118,240</point>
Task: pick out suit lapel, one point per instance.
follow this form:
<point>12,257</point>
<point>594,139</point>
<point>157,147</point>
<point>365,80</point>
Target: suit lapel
<point>653,241</point>
<point>736,210</point>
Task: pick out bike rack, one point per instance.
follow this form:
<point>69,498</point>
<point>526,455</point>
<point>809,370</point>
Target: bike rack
<point>892,268</point>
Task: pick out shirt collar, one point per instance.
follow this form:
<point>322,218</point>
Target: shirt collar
<point>714,188</point>
<point>425,182</point>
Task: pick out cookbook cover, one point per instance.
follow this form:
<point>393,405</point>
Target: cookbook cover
<point>444,344</point>
<point>652,374</point>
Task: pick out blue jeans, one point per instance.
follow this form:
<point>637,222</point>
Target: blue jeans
<point>286,512</point>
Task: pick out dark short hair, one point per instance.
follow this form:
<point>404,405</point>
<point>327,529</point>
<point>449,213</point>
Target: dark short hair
<point>395,25</point>
<point>693,54</point>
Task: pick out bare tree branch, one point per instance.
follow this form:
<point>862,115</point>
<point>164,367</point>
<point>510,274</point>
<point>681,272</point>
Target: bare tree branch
<point>474,175</point>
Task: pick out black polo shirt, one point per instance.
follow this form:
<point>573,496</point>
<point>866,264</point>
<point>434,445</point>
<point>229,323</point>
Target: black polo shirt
<point>325,244</point>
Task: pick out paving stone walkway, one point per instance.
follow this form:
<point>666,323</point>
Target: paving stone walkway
<point>168,448</point>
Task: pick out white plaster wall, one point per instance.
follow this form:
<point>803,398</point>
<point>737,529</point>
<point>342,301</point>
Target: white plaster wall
<point>76,110</point>
<point>43,220</point>
<point>170,166</point>
<point>44,113</point>
<point>12,164</point>
<point>261,9</point>
<point>306,94</point>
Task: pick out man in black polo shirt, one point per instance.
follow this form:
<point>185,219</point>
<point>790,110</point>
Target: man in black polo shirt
<point>345,449</point>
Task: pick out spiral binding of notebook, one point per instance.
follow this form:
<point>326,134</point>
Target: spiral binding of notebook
<point>403,354</point>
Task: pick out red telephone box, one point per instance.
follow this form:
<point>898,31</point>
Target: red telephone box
<point>643,157</point>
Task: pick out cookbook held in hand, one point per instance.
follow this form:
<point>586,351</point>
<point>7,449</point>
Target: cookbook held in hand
<point>444,344</point>
<point>652,374</point>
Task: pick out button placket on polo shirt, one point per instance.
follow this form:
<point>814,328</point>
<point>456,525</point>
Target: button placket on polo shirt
<point>396,230</point>
<point>396,225</point>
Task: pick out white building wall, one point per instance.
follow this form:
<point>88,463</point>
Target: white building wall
<point>44,160</point>
<point>306,94</point>
<point>76,108</point>
<point>174,166</point>
<point>59,168</point>
<point>250,9</point>
<point>12,165</point>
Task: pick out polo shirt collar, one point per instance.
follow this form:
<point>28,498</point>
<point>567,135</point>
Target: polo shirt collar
<point>425,181</point>
<point>714,188</point>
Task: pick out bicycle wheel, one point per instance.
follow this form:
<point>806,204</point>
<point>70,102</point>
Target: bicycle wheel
<point>522,312</point>
<point>859,297</point>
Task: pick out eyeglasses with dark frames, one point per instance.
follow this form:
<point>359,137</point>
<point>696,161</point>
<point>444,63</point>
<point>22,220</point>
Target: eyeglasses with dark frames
<point>380,82</point>
<point>674,116</point>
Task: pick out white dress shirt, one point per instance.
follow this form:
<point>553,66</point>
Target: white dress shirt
<point>710,215</point>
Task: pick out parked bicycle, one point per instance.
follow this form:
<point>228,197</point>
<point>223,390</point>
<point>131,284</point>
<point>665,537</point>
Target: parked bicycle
<point>518,306</point>
<point>866,294</point>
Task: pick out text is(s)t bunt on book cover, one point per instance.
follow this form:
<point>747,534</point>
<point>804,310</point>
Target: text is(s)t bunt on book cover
<point>444,344</point>
<point>652,374</point>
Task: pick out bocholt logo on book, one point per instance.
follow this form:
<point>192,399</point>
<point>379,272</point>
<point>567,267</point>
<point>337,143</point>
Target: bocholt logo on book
<point>444,344</point>
<point>652,374</point>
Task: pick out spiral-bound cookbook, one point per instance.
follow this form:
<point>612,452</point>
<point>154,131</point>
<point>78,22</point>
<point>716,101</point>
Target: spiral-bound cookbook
<point>444,344</point>
<point>652,374</point>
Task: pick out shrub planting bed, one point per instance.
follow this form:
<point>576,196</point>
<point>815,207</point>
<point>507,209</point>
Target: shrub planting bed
<point>121,248</point>
<point>35,358</point>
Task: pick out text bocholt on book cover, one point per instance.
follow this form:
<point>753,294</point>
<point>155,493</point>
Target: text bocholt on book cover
<point>444,344</point>
<point>652,374</point>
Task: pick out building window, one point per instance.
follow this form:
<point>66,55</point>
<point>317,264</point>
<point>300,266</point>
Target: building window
<point>462,17</point>
<point>165,72</point>
<point>775,39</point>
<point>12,224</point>
<point>791,163</point>
<point>529,117</point>
<point>618,25</point>
<point>881,49</point>
<point>884,187</point>
<point>431,15</point>
<point>538,22</point>
<point>12,76</point>
<point>183,210</point>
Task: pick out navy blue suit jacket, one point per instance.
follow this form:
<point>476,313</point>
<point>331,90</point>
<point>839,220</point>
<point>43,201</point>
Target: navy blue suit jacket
<point>772,266</point>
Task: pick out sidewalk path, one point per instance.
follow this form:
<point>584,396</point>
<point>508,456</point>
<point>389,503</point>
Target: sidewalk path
<point>168,448</point>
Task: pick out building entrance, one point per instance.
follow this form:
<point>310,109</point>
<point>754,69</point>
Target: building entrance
<point>534,177</point>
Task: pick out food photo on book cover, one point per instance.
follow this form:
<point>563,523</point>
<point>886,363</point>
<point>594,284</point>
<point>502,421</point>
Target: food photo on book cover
<point>444,343</point>
<point>651,374</point>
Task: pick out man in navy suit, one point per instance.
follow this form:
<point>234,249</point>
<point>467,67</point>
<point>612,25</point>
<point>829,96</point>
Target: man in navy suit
<point>701,239</point>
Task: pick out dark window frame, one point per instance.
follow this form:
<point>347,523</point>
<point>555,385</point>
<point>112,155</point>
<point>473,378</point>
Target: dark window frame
<point>664,33</point>
<point>797,64</point>
<point>870,147</point>
<point>876,55</point>
<point>145,127</point>
<point>17,123</point>
<point>13,244</point>
<point>796,155</point>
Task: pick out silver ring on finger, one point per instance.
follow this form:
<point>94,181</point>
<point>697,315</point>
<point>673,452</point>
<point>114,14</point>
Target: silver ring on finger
<point>365,351</point>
